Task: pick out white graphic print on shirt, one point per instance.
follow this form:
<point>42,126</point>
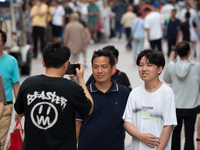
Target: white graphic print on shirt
<point>44,114</point>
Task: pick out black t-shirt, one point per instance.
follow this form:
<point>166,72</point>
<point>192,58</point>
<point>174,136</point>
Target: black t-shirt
<point>119,77</point>
<point>49,105</point>
<point>185,28</point>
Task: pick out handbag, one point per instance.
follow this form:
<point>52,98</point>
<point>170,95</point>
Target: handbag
<point>16,137</point>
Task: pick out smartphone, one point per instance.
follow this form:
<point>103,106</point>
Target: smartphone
<point>72,68</point>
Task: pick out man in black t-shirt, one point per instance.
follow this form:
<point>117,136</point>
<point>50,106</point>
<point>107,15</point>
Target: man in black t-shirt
<point>189,31</point>
<point>49,102</point>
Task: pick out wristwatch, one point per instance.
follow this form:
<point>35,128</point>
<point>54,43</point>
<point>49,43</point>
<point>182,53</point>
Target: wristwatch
<point>197,139</point>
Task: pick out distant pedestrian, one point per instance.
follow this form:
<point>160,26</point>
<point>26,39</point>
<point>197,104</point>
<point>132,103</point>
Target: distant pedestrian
<point>119,9</point>
<point>75,37</point>
<point>58,20</point>
<point>172,26</point>
<point>28,22</point>
<point>183,75</point>
<point>188,31</point>
<point>150,113</point>
<point>93,14</point>
<point>68,11</point>
<point>38,15</point>
<point>154,25</point>
<point>126,21</point>
<point>87,38</point>
<point>106,14</point>
<point>137,35</point>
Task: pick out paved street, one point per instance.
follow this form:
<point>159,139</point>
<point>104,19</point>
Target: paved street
<point>125,64</point>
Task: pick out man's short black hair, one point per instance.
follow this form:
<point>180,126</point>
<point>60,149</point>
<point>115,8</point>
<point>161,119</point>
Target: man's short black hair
<point>139,14</point>
<point>147,10</point>
<point>112,49</point>
<point>55,54</point>
<point>187,14</point>
<point>183,48</point>
<point>154,57</point>
<point>105,53</point>
<point>3,36</point>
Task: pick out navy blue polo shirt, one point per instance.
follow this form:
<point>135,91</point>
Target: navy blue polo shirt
<point>103,129</point>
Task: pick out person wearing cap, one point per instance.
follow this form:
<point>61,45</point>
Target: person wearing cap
<point>74,37</point>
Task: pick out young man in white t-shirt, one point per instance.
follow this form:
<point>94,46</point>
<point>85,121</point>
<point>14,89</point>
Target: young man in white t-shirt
<point>150,113</point>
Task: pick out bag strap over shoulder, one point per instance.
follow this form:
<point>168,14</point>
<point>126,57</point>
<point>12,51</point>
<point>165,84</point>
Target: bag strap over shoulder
<point>117,76</point>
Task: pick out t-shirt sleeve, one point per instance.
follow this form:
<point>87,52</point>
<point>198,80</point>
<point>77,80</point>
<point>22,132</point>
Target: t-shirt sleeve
<point>169,110</point>
<point>15,71</point>
<point>82,104</point>
<point>128,113</point>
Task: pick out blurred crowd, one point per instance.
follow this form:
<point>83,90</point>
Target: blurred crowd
<point>105,20</point>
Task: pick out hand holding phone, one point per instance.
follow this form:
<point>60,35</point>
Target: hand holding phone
<point>72,68</point>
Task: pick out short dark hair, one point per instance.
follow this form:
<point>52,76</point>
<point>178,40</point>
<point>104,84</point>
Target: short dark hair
<point>183,48</point>
<point>3,36</point>
<point>139,14</point>
<point>55,54</point>
<point>105,53</point>
<point>147,10</point>
<point>187,14</point>
<point>112,49</point>
<point>154,57</point>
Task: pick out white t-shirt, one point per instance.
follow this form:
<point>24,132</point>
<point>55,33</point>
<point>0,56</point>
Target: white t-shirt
<point>150,112</point>
<point>154,21</point>
<point>58,14</point>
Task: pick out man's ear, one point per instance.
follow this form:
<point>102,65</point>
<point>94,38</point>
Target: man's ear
<point>160,69</point>
<point>43,63</point>
<point>66,64</point>
<point>113,68</point>
<point>116,61</point>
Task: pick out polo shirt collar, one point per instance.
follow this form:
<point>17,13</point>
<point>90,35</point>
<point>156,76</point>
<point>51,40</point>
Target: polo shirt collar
<point>114,87</point>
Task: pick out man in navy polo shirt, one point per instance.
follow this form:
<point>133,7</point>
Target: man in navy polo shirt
<point>103,130</point>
